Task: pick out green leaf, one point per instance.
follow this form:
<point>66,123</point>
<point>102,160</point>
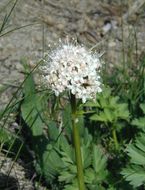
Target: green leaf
<point>34,104</point>
<point>140,143</point>
<point>91,104</point>
<point>5,136</point>
<point>135,175</point>
<point>67,123</point>
<point>68,157</point>
<point>32,109</point>
<point>95,186</point>
<point>52,164</point>
<point>86,159</point>
<point>89,175</point>
<point>72,186</point>
<point>66,176</point>
<point>101,117</point>
<point>99,163</point>
<point>10,139</point>
<point>137,155</point>
<point>87,138</point>
<point>109,109</point>
<point>139,123</point>
<point>53,131</point>
<point>135,171</point>
<point>122,111</point>
<point>109,115</point>
<point>113,101</point>
<point>29,85</point>
<point>142,106</point>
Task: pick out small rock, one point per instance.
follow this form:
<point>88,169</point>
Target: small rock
<point>107,27</point>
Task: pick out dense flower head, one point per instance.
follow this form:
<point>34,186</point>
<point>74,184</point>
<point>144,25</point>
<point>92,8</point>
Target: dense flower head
<point>73,68</point>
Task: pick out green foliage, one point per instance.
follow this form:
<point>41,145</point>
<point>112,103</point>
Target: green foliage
<point>127,78</point>
<point>135,171</point>
<point>110,110</point>
<point>31,109</point>
<point>7,137</point>
<point>33,105</point>
<point>4,136</point>
<point>94,163</point>
<point>111,113</point>
<point>140,122</point>
<point>54,153</point>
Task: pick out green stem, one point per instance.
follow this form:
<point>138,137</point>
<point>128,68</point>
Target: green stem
<point>77,145</point>
<point>115,139</point>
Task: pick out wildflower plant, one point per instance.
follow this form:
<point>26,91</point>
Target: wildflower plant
<point>108,149</point>
<point>74,69</point>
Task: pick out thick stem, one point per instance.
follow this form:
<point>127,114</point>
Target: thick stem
<point>77,145</point>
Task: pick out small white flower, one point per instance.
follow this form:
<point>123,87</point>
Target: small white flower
<point>73,68</point>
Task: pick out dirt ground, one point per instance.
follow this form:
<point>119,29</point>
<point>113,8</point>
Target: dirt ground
<point>106,25</point>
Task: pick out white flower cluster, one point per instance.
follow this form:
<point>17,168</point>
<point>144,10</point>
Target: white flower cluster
<point>74,68</point>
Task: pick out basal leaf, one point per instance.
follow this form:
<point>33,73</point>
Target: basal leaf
<point>31,110</point>
<point>66,176</point>
<point>108,115</point>
<point>101,117</point>
<point>135,171</point>
<point>91,104</point>
<point>139,123</point>
<point>89,175</point>
<point>137,156</point>
<point>142,106</point>
<point>99,163</point>
<point>135,175</point>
